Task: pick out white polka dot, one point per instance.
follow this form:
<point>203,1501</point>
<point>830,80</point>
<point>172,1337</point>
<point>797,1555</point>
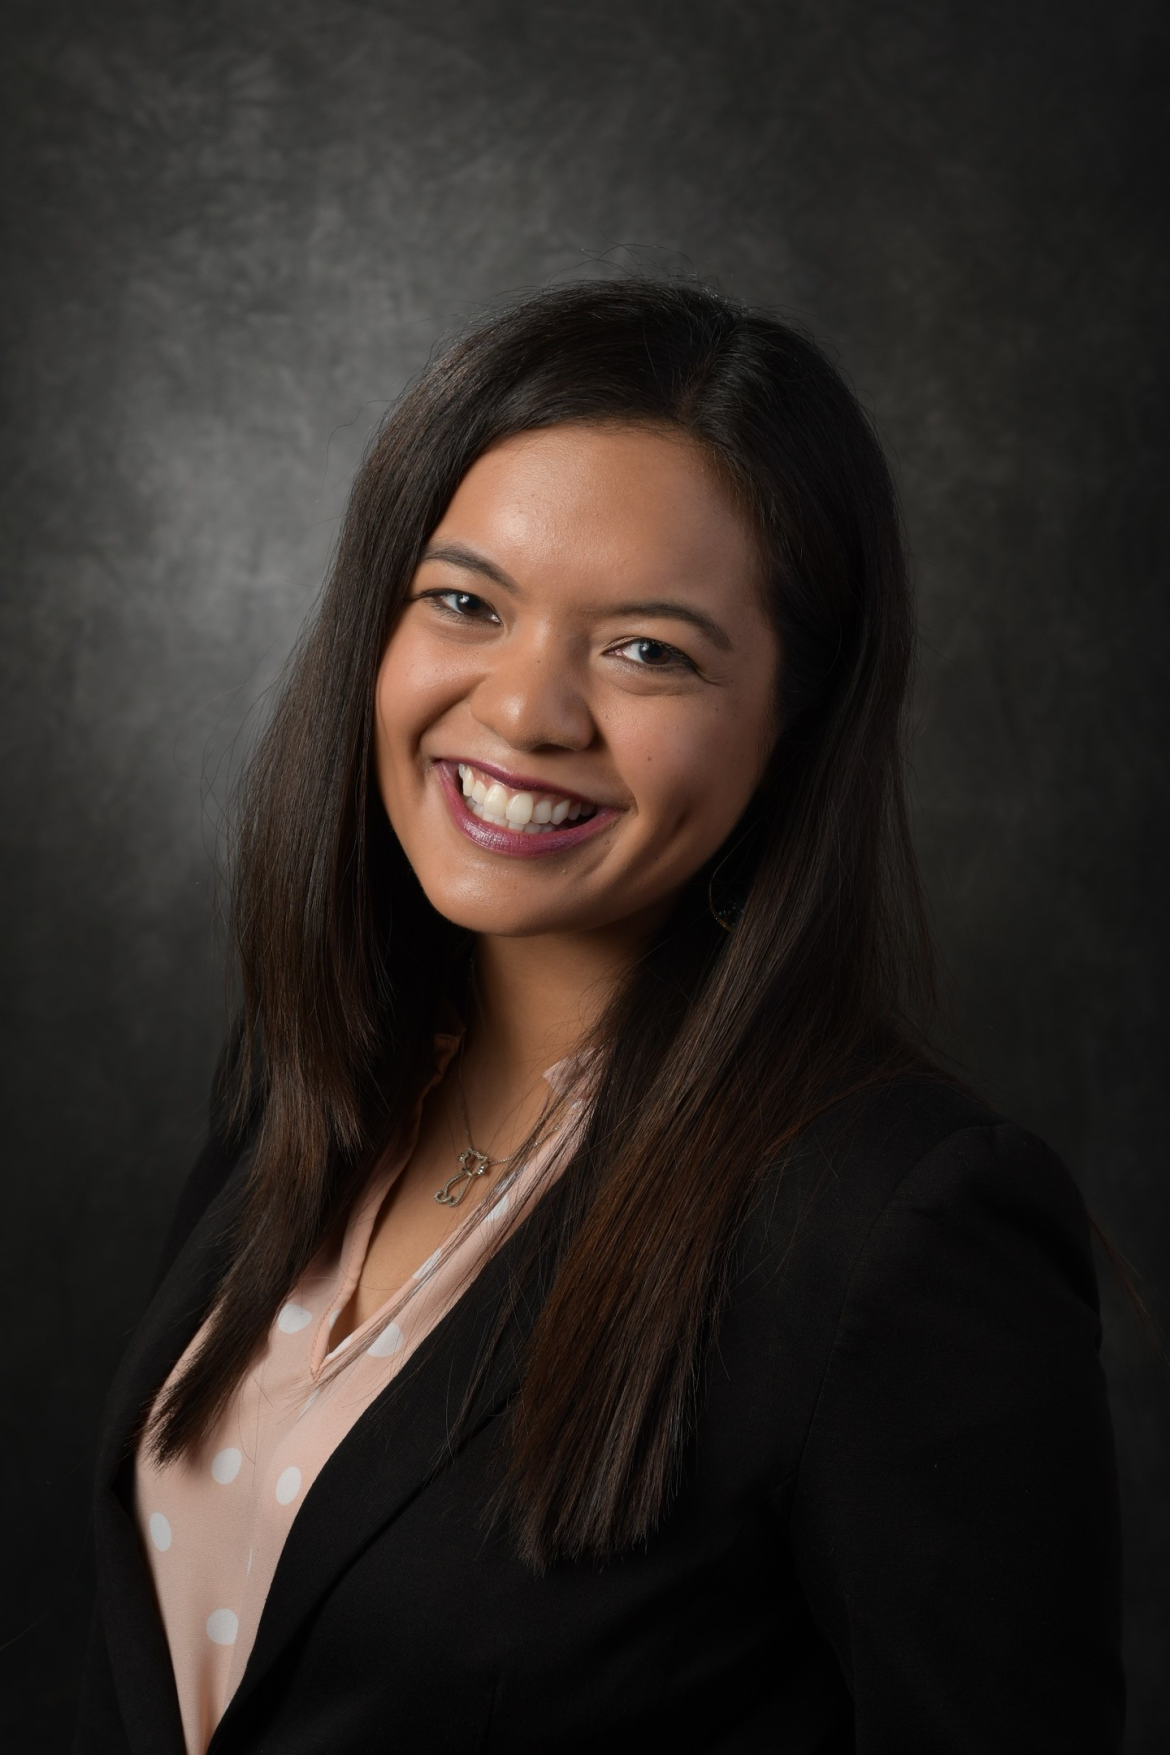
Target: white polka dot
<point>225,1466</point>
<point>222,1627</point>
<point>496,1212</point>
<point>420,1273</point>
<point>160,1531</point>
<point>249,1559</point>
<point>288,1485</point>
<point>388,1342</point>
<point>292,1318</point>
<point>333,1315</point>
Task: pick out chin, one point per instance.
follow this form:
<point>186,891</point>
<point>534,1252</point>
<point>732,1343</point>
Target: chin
<point>511,922</point>
<point>510,916</point>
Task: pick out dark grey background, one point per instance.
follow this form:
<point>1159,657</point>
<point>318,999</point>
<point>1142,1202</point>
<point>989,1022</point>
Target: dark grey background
<point>237,229</point>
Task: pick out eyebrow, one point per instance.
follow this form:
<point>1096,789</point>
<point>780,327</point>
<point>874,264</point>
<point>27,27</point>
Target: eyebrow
<point>456,555</point>
<point>679,612</point>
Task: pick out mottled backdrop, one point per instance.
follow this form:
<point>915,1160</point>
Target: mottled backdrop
<point>236,230</point>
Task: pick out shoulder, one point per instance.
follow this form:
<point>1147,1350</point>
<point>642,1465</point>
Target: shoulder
<point>225,1148</point>
<point>915,1146</point>
<point>906,1225</point>
<point>928,1381</point>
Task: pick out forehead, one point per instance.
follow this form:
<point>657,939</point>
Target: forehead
<point>605,505</point>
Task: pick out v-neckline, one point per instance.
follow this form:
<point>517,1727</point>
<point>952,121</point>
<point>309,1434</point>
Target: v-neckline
<point>359,1231</point>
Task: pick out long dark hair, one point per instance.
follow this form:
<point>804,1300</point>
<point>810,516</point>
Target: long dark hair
<point>721,1045</point>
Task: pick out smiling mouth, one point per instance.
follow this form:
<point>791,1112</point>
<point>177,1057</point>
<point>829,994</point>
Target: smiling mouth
<point>518,820</point>
<point>524,812</point>
<point>527,813</point>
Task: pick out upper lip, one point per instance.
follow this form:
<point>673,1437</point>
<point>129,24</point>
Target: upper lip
<point>523,782</point>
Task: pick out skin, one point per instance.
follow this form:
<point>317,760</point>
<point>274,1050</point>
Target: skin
<point>519,647</point>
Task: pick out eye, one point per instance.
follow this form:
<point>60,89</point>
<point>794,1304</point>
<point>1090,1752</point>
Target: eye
<point>462,605</point>
<point>649,654</point>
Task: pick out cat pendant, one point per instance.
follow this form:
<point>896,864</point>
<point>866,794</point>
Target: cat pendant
<point>471,1165</point>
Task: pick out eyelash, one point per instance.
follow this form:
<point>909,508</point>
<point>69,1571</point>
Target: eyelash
<point>678,660</point>
<point>438,596</point>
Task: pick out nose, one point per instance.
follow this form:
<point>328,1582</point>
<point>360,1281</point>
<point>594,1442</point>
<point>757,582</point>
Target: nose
<point>532,698</point>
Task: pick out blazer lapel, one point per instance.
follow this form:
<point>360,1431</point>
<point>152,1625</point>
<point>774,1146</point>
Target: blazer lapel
<point>398,1445</point>
<point>401,1442</point>
<point>140,1661</point>
<point>174,1313</point>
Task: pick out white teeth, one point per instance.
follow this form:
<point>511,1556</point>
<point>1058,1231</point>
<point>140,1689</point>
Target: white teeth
<point>525,813</point>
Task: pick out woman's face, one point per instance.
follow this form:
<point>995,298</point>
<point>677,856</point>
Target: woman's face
<point>577,701</point>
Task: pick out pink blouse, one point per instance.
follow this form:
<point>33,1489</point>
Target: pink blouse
<point>213,1523</point>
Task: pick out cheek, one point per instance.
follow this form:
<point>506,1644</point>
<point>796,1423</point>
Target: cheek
<point>415,687</point>
<point>693,773</point>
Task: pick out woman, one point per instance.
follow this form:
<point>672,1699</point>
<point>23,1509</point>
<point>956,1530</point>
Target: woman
<point>594,1316</point>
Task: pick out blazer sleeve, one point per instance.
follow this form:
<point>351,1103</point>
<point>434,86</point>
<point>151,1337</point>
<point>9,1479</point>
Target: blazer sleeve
<point>955,1521</point>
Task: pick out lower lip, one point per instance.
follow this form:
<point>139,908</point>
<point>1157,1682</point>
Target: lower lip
<point>516,846</point>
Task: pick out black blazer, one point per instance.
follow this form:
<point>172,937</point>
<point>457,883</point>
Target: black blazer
<point>897,1531</point>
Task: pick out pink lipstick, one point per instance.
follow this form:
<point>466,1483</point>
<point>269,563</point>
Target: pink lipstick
<point>514,843</point>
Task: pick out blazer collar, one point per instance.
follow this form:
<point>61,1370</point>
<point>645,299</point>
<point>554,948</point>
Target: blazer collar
<point>398,1446</point>
<point>178,1306</point>
<point>401,1442</point>
<point>136,1643</point>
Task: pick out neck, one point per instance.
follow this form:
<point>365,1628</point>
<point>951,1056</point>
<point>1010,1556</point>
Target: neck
<point>537,998</point>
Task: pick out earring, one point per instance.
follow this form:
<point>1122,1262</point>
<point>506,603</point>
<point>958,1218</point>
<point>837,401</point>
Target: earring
<point>727,914</point>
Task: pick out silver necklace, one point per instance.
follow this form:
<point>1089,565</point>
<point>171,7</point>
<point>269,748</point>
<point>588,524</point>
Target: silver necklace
<point>472,1162</point>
